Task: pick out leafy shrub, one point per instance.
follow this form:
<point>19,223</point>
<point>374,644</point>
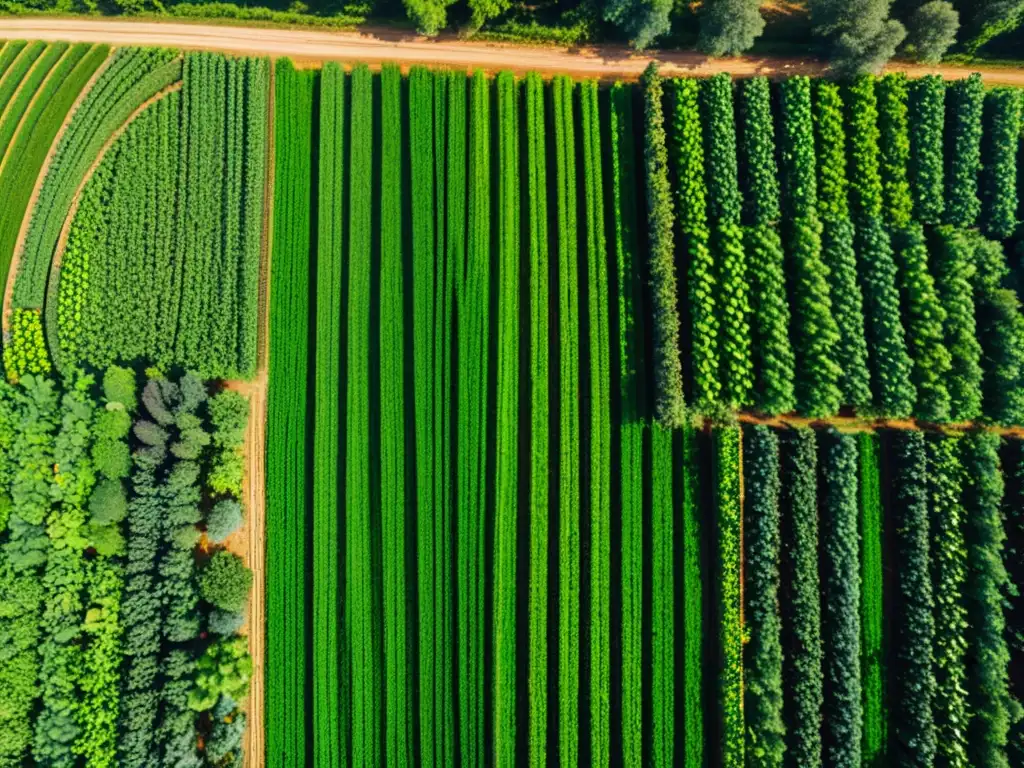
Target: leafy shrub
<point>925,320</point>
<point>931,30</point>
<point>863,135</point>
<point>915,628</point>
<point>895,149</point>
<point>1002,114</point>
<point>669,403</point>
<point>796,158</point>
<point>800,598</point>
<point>119,387</point>
<point>229,416</point>
<point>948,575</point>
<point>737,365</point>
<point>993,708</point>
<point>112,423</point>
<point>840,621</point>
<point>926,118</point>
<point>762,675</point>
<point>111,458</point>
<point>773,353</point>
<point>965,101</point>
<point>758,168</point>
<point>703,320</point>
<point>954,270</point>
<point>224,519</point>
<point>830,138</point>
<point>225,581</point>
<point>224,745</point>
<point>25,353</point>
<point>891,367</point>
<point>724,200</point>
<point>108,504</point>
<point>224,670</point>
<point>224,623</point>
<point>815,332</point>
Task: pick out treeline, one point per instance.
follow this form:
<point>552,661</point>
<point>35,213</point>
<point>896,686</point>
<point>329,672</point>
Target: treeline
<point>854,36</point>
<point>120,607</point>
<point>834,247</point>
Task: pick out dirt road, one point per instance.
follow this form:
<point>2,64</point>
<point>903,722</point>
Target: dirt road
<point>316,45</point>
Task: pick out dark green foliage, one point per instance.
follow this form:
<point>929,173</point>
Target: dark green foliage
<point>108,504</point>
<point>693,606</point>
<point>800,599</point>
<point>840,621</point>
<point>861,36</point>
<point>948,576</point>
<point>872,606</point>
<point>774,362</point>
<point>927,118</point>
<point>931,30</point>
<point>830,138</point>
<point>224,623</point>
<point>914,682</point>
<point>1002,132</point>
<point>891,367</point>
<point>765,731</point>
<point>964,104</point>
<point>1000,328</point>
<point>986,19</point>
<point>224,745</point>
<point>954,270</point>
<point>669,403</point>
<point>643,21</point>
<point>863,148</point>
<point>797,159</point>
<point>758,169</point>
<point>224,519</point>
<point>894,146</point>
<point>225,581</point>
<point>724,201</point>
<point>729,27</point>
<point>815,332</point>
<point>989,699</point>
<point>925,322</point>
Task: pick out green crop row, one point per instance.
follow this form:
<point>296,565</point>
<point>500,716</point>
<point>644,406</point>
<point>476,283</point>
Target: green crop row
<point>927,107</point>
<point>962,141</point>
<point>663,601</point>
<point>729,591</point>
<point>894,149</point>
<point>286,419</point>
<point>19,62</point>
<point>1002,129</point>
<point>58,58</point>
<point>758,167</point>
<point>872,607</point>
<point>724,201</point>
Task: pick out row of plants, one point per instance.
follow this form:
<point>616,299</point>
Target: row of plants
<point>195,163</point>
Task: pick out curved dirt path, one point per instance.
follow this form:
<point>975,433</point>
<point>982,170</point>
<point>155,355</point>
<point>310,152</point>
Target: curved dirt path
<point>607,61</point>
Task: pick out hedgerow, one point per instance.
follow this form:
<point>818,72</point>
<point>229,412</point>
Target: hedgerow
<point>703,320</point>
<point>993,708</point>
<point>840,621</point>
<point>925,319</point>
<point>668,370</point>
<point>927,109</point>
<point>954,269</point>
<point>762,672</point>
<point>837,246</point>
<point>891,367</point>
<point>728,589</point>
<point>872,611</point>
<point>962,141</point>
<point>914,681</point>
<point>948,576</point>
<point>800,598</point>
<point>1002,121</point>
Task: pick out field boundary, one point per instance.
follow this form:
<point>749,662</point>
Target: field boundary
<point>303,44</point>
<point>19,244</point>
<point>869,424</point>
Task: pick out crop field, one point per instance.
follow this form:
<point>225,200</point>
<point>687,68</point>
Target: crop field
<point>675,422</point>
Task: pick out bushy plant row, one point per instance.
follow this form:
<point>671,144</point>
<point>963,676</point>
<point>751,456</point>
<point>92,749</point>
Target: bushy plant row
<point>762,669</point>
<point>872,606</point>
<point>758,168</point>
<point>25,351</point>
<point>669,402</point>
<point>894,149</point>
<point>1002,116</point>
<point>926,118</point>
<point>962,142</point>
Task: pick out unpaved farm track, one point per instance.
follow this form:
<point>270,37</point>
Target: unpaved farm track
<point>316,45</point>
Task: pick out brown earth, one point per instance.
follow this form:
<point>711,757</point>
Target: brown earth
<point>406,48</point>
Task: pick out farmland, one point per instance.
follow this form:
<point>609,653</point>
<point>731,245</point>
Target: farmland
<point>669,422</point>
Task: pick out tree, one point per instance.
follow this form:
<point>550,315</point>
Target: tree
<point>931,30</point>
<point>225,518</point>
<point>644,21</point>
<point>224,670</point>
<point>430,16</point>
<point>225,581</point>
<point>986,19</point>
<point>860,35</point>
<point>729,27</point>
<point>119,386</point>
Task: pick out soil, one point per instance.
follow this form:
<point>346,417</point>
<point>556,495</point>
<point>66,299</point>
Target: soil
<point>407,48</point>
